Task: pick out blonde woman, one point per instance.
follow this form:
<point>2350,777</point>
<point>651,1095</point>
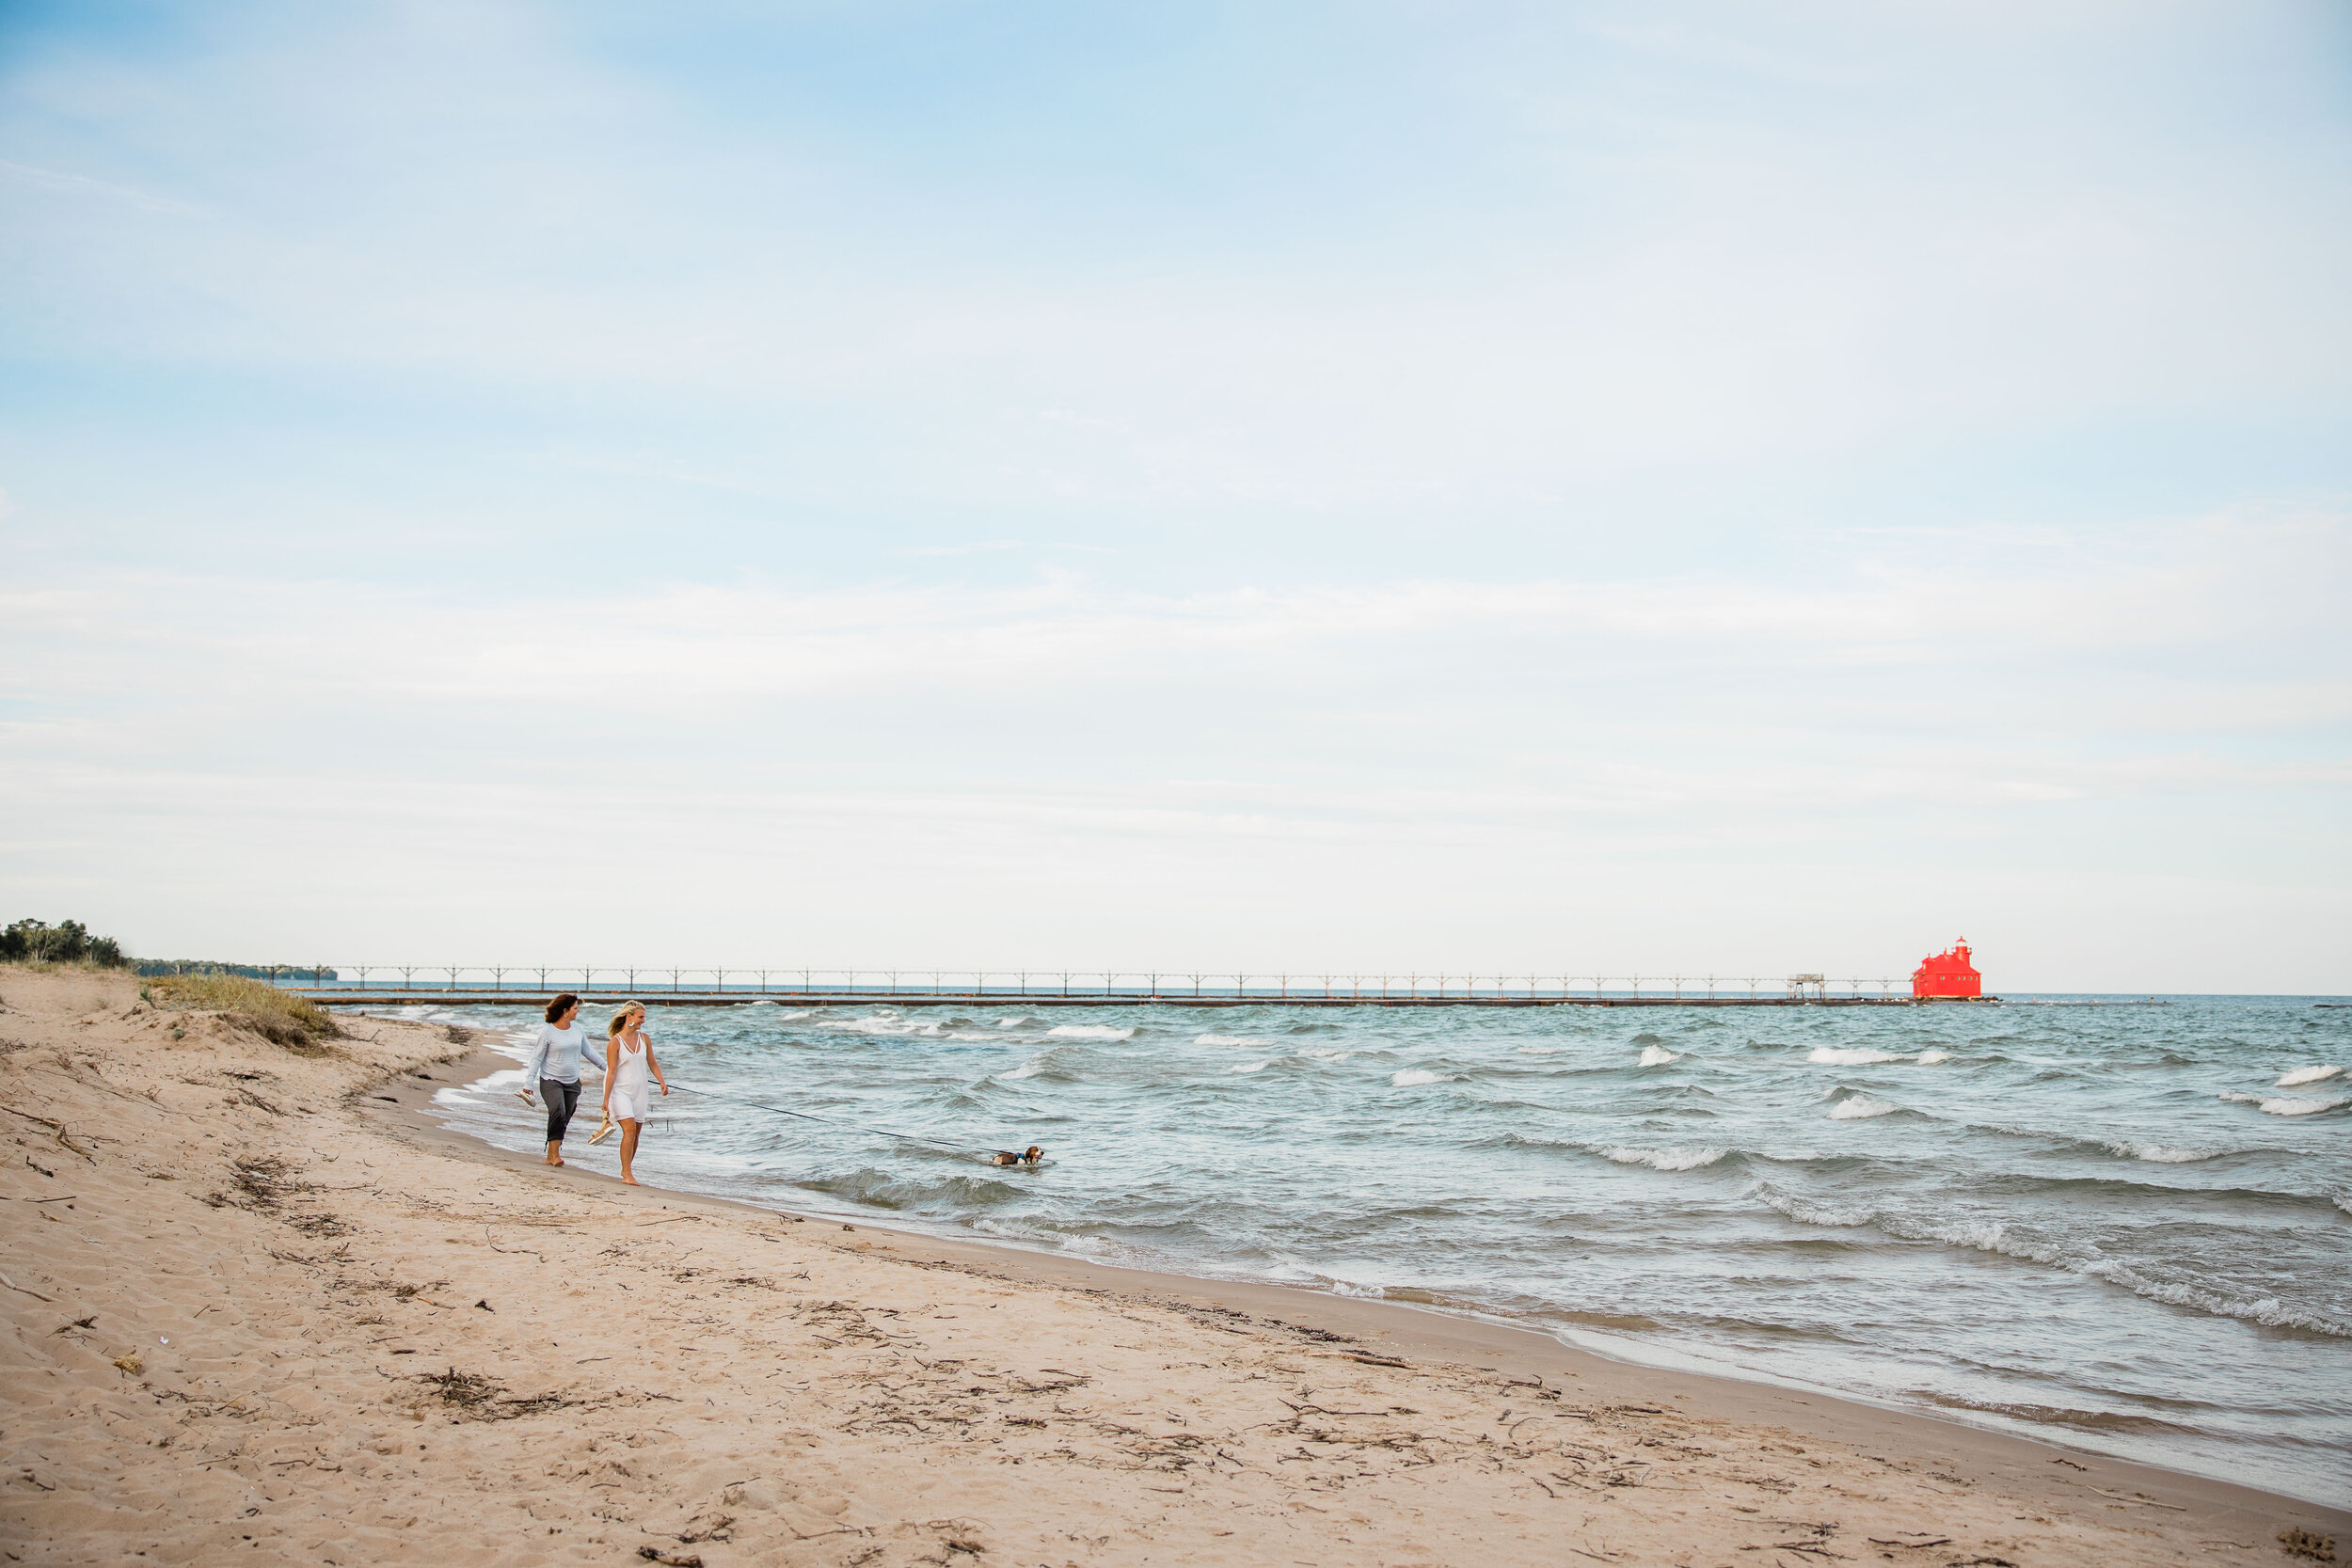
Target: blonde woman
<point>629,1074</point>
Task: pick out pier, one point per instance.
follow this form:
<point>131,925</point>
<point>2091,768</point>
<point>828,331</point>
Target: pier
<point>472,985</point>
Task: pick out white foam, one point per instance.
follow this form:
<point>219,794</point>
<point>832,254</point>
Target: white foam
<point>1929,1058</point>
<point>1664,1159</point>
<point>885,1023</point>
<point>1231,1040</point>
<point>2283,1105</point>
<point>1030,1068</point>
<point>1857,1108</point>
<point>2162,1154</point>
<point>1010,1023</point>
<point>1657,1055</point>
<point>1836,1056</point>
<point>1412,1077</point>
<point>1089,1032</point>
<point>1250,1066</point>
<point>1813,1214</point>
<point>1326,1053</point>
<point>2286,1105</point>
<point>1540,1049</point>
<point>2306,1075</point>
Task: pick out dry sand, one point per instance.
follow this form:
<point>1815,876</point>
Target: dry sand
<point>261,1312</point>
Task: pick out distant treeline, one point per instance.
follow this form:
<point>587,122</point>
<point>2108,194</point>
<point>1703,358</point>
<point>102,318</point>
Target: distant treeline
<point>256,972</point>
<point>69,941</point>
<point>66,942</point>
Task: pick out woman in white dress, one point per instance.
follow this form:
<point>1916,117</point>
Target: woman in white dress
<point>629,1074</point>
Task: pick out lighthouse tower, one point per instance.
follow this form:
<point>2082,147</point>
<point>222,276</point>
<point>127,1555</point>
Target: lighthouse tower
<point>1947,974</point>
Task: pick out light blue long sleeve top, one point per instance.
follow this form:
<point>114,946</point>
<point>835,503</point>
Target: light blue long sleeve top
<point>556,1054</point>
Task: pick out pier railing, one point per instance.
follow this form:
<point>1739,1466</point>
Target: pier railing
<point>1101,986</point>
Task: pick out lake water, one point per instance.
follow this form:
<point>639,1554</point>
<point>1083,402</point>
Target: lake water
<point>2123,1227</point>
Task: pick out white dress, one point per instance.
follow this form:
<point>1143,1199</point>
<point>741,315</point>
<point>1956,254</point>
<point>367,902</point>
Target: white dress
<point>632,1085</point>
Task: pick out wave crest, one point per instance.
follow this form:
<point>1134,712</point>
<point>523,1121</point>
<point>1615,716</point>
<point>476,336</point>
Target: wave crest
<point>2285,1105</point>
<point>1664,1159</point>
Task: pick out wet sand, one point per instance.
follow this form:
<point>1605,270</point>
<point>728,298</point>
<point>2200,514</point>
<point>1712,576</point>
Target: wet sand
<point>321,1328</point>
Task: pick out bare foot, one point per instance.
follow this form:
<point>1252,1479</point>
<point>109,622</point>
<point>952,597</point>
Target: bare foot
<point>556,1162</point>
<point>628,1182</point>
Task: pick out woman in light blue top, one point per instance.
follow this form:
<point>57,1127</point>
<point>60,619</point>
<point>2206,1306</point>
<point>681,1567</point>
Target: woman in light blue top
<point>554,1065</point>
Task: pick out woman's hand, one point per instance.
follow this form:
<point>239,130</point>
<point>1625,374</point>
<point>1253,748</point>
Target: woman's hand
<point>524,1095</point>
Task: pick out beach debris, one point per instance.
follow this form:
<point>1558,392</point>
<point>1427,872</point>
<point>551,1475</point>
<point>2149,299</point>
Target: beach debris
<point>57,1130</point>
<point>849,1227</point>
<point>1939,1541</point>
<point>2296,1542</point>
<point>78,1323</point>
<point>485,1304</point>
<point>716,1529</point>
<point>131,1363</point>
<point>674,1560</point>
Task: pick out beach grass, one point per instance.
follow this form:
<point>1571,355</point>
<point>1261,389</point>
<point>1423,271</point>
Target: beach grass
<point>278,1016</point>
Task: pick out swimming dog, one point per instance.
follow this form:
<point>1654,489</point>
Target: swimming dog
<point>1028,1157</point>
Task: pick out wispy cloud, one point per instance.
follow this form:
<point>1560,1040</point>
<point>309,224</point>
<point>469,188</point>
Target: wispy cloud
<point>79,184</point>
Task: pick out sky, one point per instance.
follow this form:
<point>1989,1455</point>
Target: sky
<point>1579,488</point>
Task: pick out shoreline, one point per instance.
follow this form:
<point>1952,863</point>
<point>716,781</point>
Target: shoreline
<point>264,1310</point>
<point>1417,1330</point>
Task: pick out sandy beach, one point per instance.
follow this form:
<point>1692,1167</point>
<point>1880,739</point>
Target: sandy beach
<point>262,1311</point>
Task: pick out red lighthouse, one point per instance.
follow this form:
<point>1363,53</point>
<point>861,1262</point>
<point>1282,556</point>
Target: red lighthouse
<point>1947,974</point>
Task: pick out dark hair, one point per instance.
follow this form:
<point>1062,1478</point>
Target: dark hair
<point>565,1000</point>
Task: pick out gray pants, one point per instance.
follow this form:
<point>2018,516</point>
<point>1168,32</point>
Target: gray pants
<point>562,1100</point>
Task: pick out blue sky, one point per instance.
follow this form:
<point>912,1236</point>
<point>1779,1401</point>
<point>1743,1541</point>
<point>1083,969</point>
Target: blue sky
<point>1574,486</point>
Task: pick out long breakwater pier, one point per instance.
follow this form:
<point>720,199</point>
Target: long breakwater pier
<point>460,985</point>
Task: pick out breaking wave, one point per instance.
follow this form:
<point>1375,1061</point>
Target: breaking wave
<point>1858,1056</point>
<point>2162,1154</point>
<point>1231,1040</point>
<point>1413,1077</point>
<point>1664,1159</point>
<point>1250,1066</point>
<point>1657,1055</point>
<point>1090,1031</point>
<point>2285,1106</point>
<point>1858,1107</point>
<point>2306,1075</point>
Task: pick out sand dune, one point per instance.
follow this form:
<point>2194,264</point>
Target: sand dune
<point>261,1312</point>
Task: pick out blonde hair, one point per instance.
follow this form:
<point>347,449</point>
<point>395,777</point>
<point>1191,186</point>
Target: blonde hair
<point>620,1020</point>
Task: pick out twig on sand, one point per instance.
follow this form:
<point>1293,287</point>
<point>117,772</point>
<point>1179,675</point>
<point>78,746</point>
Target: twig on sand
<point>2143,1502</point>
<point>56,1127</point>
<point>14,1285</point>
<point>1939,1541</point>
